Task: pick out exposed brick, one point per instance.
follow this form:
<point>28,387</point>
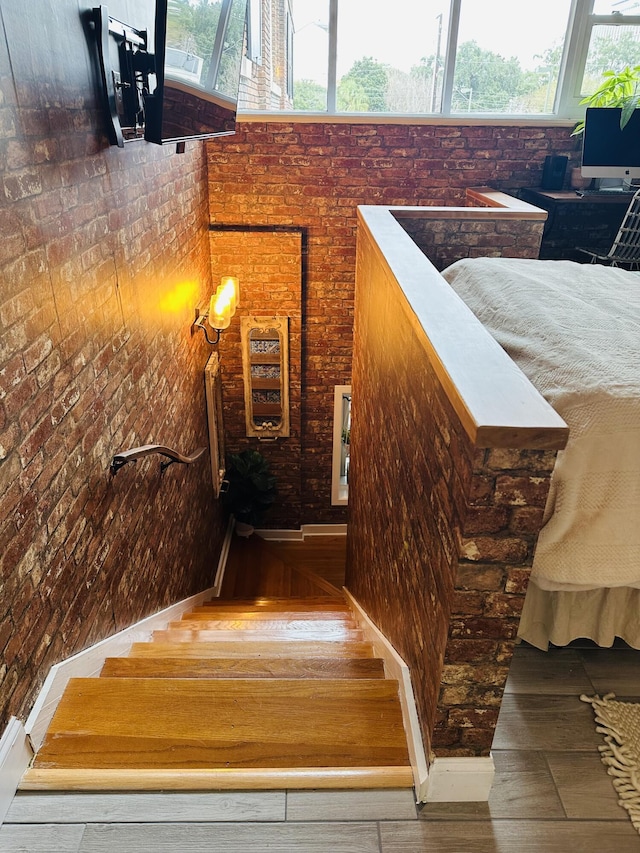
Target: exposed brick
<point>491,519</point>
<point>526,519</point>
<point>480,576</point>
<point>522,491</point>
<point>489,549</point>
<point>109,233</point>
<point>70,532</point>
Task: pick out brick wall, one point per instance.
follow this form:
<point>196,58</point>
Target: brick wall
<point>313,177</point>
<point>103,255</point>
<point>447,240</point>
<point>269,267</point>
<point>504,505</point>
<point>441,532</point>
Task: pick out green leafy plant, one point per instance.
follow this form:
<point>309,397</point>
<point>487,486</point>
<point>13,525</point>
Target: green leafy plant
<point>618,89</point>
<point>251,487</point>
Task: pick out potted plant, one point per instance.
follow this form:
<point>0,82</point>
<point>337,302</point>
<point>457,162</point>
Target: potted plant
<point>250,489</point>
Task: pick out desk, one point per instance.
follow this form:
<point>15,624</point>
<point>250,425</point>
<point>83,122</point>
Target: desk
<point>591,221</point>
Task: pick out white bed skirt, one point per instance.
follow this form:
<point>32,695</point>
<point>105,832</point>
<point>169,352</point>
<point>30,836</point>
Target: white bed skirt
<point>600,615</point>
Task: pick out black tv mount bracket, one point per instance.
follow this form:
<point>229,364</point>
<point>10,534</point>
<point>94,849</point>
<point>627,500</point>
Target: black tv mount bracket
<point>124,90</point>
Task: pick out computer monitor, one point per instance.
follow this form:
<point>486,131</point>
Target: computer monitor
<point>608,151</point>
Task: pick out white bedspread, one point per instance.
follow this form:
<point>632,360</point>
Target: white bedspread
<point>574,330</point>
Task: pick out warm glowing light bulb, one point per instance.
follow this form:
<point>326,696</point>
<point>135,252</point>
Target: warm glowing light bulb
<point>230,284</point>
<point>219,310</point>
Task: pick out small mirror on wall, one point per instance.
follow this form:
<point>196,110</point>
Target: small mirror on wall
<point>265,363</point>
<point>213,394</point>
<point>341,445</point>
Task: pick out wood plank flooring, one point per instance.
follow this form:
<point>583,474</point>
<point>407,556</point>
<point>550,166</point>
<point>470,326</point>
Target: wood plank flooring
<point>285,569</point>
<point>245,692</point>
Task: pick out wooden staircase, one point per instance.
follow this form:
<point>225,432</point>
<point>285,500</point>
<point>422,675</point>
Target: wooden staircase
<point>243,693</point>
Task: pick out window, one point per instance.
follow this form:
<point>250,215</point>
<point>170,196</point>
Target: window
<point>341,445</point>
<point>254,31</point>
<point>504,65</point>
<point>289,57</point>
<point>613,43</point>
<point>447,57</point>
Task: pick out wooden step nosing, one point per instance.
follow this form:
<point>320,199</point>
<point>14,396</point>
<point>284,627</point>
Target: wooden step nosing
<point>285,602</point>
<point>220,779</point>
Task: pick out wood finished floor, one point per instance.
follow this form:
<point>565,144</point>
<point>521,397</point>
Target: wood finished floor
<point>551,793</point>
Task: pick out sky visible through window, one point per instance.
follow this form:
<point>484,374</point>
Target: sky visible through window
<point>408,30</point>
<point>507,61</point>
<point>409,40</point>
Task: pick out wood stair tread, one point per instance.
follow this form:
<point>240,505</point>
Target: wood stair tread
<point>299,629</point>
<point>151,723</point>
<point>243,668</point>
<point>222,614</point>
<point>285,604</point>
<point>285,634</point>
<point>272,689</point>
<point>163,647</point>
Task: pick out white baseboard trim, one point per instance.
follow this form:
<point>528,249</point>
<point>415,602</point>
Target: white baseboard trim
<point>450,780</point>
<point>15,755</point>
<point>396,668</point>
<point>88,663</point>
<point>304,532</point>
<point>460,780</point>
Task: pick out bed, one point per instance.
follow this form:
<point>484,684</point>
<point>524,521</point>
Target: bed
<point>574,330</point>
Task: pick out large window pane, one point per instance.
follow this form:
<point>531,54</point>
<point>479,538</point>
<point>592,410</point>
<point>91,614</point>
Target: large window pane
<point>610,48</point>
<point>608,7</point>
<point>310,58</point>
<point>391,62</point>
<point>508,56</point>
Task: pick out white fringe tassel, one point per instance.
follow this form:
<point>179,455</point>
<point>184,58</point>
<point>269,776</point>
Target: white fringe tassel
<point>622,763</point>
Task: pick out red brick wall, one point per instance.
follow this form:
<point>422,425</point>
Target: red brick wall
<point>441,533</point>
<point>447,240</point>
<point>103,255</point>
<point>504,504</point>
<point>314,176</point>
<point>269,267</point>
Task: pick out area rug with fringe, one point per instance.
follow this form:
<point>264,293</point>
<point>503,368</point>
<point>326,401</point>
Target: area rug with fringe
<point>619,722</point>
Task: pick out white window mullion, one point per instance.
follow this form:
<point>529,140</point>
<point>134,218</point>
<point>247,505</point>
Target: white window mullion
<point>574,58</point>
<point>333,58</point>
<point>450,56</point>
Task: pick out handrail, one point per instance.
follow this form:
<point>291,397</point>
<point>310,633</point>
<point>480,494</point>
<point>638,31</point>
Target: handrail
<point>134,453</point>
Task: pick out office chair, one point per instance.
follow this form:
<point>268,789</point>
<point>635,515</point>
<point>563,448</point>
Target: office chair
<point>625,250</point>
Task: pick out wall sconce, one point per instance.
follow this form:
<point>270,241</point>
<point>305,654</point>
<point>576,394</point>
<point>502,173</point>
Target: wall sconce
<point>222,307</point>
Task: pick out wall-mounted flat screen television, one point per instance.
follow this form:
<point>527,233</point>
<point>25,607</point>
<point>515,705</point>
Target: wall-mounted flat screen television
<point>199,48</point>
<point>182,83</point>
<point>607,150</point>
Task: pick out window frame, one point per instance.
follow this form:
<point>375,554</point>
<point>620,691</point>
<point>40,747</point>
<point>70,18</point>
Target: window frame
<point>566,108</point>
<point>254,31</point>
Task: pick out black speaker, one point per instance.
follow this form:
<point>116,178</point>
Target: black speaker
<point>553,172</point>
